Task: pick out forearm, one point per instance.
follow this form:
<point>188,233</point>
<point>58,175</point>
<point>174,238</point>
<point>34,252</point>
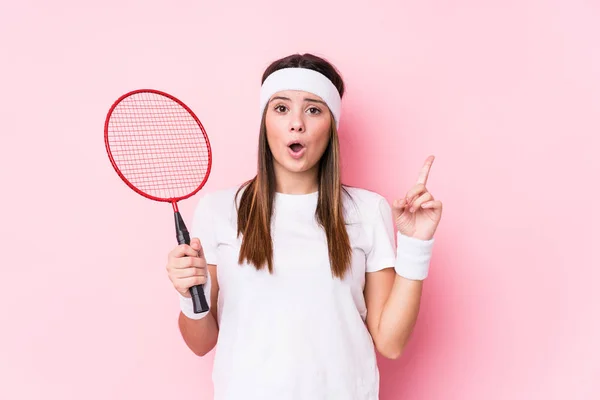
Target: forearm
<point>399,316</point>
<point>200,335</point>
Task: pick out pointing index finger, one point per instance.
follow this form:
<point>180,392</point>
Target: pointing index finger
<point>424,174</point>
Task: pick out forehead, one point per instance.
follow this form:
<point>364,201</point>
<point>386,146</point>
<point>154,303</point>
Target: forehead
<point>297,95</point>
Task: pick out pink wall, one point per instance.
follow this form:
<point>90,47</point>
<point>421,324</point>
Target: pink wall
<point>506,94</point>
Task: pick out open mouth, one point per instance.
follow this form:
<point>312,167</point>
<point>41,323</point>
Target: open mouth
<point>296,147</point>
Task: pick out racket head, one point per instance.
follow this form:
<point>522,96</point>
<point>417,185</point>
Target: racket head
<point>157,145</point>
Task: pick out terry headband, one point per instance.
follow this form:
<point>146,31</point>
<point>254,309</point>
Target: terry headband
<point>306,80</point>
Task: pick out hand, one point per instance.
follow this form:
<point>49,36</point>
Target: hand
<point>186,266</point>
<point>418,214</point>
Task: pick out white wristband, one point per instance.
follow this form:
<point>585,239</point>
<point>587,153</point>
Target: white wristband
<point>187,305</point>
<point>413,257</point>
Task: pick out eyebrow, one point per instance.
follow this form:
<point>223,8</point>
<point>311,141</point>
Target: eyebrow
<point>305,99</point>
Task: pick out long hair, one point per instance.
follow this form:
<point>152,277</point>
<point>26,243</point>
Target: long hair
<point>256,203</point>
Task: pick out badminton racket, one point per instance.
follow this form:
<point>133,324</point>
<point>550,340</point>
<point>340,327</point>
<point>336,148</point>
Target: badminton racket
<point>159,148</point>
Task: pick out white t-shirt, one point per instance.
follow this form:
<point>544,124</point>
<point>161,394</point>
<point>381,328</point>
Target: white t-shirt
<point>299,334</point>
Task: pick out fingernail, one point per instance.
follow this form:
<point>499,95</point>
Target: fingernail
<point>412,209</point>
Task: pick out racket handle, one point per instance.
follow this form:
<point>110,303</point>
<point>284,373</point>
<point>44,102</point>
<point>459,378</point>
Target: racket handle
<point>197,292</point>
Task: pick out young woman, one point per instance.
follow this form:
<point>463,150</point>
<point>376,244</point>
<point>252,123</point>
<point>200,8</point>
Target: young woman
<point>302,273</point>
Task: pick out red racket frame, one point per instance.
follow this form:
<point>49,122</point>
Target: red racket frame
<point>172,200</point>
<point>197,292</point>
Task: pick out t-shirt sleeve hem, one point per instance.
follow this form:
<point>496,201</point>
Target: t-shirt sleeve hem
<point>379,265</point>
<point>210,258</point>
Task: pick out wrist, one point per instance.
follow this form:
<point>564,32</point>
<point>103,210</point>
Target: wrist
<point>413,257</point>
<point>186,304</point>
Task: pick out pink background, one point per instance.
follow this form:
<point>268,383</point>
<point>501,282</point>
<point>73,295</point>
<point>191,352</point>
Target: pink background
<point>506,94</point>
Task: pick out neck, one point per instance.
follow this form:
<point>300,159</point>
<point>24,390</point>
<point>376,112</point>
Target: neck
<point>304,182</point>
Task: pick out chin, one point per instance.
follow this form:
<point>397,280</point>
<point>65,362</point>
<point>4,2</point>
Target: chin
<point>292,165</point>
<point>296,167</point>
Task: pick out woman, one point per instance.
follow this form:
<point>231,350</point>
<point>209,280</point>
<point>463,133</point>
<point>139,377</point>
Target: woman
<point>304,277</point>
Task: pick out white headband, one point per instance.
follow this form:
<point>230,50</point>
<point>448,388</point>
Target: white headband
<point>306,80</point>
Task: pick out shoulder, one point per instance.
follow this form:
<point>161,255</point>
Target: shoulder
<point>364,202</point>
<point>217,196</point>
<point>220,202</point>
<point>364,197</point>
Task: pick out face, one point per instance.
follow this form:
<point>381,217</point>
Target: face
<point>298,127</point>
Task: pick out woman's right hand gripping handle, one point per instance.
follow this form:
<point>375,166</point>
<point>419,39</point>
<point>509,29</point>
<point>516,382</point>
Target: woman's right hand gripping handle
<point>186,267</point>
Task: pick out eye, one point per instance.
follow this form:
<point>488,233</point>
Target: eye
<point>280,108</point>
<point>314,110</point>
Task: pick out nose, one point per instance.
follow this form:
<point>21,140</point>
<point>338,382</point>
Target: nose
<point>297,124</point>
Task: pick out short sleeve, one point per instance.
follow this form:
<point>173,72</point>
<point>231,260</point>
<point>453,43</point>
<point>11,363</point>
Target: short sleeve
<point>382,253</point>
<point>204,228</point>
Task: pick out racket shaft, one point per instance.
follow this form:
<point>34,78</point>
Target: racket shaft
<point>197,292</point>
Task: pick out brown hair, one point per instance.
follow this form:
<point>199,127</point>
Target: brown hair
<point>256,203</point>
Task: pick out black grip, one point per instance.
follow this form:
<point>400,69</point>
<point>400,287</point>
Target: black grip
<point>197,292</point>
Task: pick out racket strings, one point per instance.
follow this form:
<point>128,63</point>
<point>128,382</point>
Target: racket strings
<point>158,146</point>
